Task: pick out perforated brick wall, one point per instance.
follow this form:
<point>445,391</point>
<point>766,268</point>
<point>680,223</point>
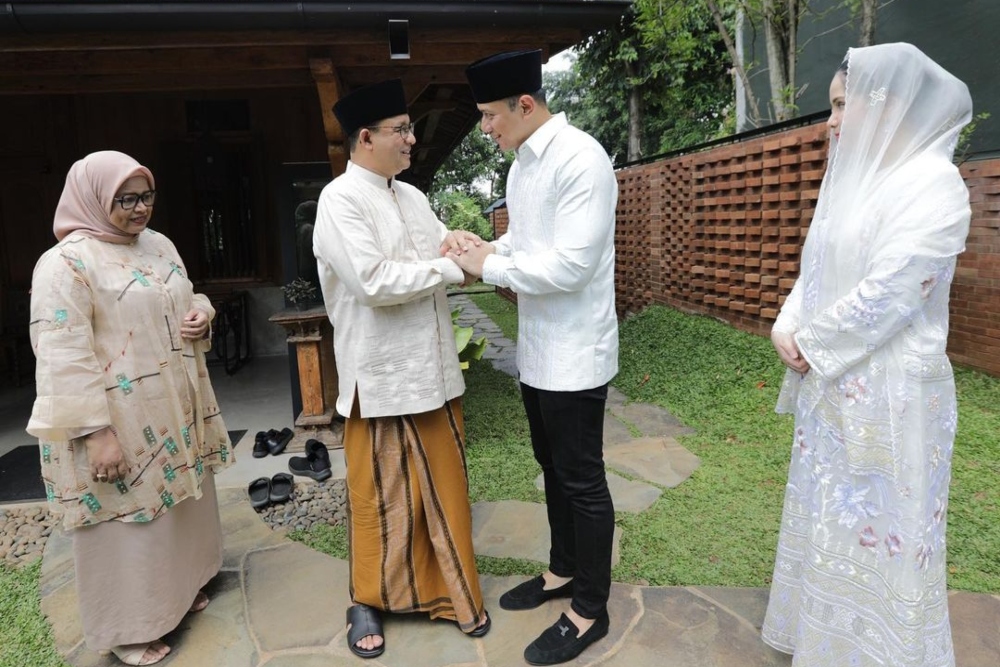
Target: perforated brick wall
<point>719,233</point>
<point>974,339</point>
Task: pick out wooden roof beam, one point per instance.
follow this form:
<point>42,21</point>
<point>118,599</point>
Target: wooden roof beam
<point>329,89</point>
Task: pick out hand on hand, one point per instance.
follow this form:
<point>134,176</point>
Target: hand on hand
<point>458,241</point>
<point>788,351</point>
<point>471,259</point>
<point>105,457</point>
<point>195,324</point>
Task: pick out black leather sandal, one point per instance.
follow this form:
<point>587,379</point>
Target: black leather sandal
<point>364,621</point>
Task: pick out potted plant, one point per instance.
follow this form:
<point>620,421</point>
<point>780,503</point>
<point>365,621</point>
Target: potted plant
<point>300,292</point>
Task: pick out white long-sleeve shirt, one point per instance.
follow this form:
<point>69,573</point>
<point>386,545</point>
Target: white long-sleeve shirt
<point>377,245</point>
<point>558,255</point>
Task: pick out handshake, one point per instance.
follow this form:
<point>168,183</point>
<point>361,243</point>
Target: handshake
<point>468,251</point>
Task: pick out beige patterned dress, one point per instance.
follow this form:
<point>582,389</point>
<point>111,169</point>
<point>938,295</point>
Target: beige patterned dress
<point>105,327</point>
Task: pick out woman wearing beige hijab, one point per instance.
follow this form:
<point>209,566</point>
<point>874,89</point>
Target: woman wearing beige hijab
<point>129,429</point>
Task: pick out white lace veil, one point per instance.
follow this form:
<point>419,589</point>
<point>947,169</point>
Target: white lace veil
<point>901,109</point>
<point>890,190</point>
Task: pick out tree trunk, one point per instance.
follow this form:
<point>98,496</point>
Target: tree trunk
<point>869,10</point>
<point>780,27</point>
<point>634,117</point>
<point>737,59</point>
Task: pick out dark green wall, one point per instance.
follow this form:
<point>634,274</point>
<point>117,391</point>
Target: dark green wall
<point>963,36</point>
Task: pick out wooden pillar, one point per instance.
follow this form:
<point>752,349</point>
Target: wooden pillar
<point>312,335</point>
<point>330,89</point>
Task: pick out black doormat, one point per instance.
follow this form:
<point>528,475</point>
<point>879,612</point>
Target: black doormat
<point>21,472</point>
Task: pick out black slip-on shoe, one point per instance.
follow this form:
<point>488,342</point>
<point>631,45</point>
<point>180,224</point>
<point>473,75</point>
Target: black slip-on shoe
<point>532,594</point>
<point>560,644</point>
<point>315,464</point>
<point>260,443</point>
<point>277,442</point>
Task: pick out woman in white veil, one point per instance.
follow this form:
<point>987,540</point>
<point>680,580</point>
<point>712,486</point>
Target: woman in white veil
<point>859,577</point>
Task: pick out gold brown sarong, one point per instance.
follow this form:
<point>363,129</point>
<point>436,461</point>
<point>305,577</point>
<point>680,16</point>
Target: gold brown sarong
<point>409,519</point>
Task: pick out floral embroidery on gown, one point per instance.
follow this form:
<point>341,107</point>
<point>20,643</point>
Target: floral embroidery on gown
<point>860,572</point>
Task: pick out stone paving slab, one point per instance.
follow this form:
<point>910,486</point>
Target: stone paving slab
<point>680,628</point>
<point>658,460</point>
<point>975,628</point>
<point>628,496</point>
<point>242,529</point>
<point>650,420</point>
<point>516,529</point>
<point>616,432</point>
<point>295,597</point>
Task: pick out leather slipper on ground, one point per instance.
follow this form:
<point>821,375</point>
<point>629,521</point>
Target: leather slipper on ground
<point>276,443</point>
<point>364,621</point>
<point>260,443</point>
<point>281,487</point>
<point>260,493</point>
<point>480,630</point>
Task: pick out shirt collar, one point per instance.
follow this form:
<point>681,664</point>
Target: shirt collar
<point>369,176</point>
<point>543,136</point>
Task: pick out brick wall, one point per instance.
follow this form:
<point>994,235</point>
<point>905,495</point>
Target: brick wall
<point>499,218</point>
<point>719,233</point>
<point>722,229</point>
<point>974,339</point>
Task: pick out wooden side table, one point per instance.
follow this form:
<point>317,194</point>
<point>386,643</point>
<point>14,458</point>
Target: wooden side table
<point>312,335</point>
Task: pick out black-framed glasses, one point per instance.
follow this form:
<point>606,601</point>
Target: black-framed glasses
<point>129,201</point>
<point>404,130</point>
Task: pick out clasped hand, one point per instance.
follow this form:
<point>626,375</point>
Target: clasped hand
<point>788,351</point>
<point>468,251</point>
<point>195,324</point>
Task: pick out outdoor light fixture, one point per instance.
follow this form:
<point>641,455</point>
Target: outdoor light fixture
<point>399,39</point>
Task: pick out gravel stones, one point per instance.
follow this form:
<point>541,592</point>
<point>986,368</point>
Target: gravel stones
<point>23,532</point>
<point>311,503</point>
<point>24,529</point>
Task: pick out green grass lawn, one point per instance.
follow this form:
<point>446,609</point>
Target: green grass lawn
<point>25,636</point>
<point>720,527</point>
<point>717,528</point>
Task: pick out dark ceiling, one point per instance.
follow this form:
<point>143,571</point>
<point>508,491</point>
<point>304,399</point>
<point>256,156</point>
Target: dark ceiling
<point>91,47</point>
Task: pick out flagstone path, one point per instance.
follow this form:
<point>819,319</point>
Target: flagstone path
<point>277,603</point>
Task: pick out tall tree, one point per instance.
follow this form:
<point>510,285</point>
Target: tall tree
<point>779,21</point>
<point>476,168</point>
<point>655,82</point>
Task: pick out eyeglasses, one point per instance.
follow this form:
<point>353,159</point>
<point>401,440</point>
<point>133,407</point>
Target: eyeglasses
<point>403,130</point>
<point>129,201</point>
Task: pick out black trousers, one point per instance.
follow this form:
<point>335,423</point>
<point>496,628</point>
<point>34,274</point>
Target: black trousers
<point>567,435</point>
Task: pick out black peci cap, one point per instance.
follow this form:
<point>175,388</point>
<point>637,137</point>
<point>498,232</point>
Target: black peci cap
<point>370,104</point>
<point>505,75</point>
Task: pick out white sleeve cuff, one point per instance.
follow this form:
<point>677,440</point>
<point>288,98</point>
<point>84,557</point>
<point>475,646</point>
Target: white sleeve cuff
<point>495,269</point>
<point>453,275</point>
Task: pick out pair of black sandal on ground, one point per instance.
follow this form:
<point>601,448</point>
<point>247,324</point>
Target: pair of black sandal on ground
<point>264,491</point>
<point>366,621</point>
<point>271,442</point>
